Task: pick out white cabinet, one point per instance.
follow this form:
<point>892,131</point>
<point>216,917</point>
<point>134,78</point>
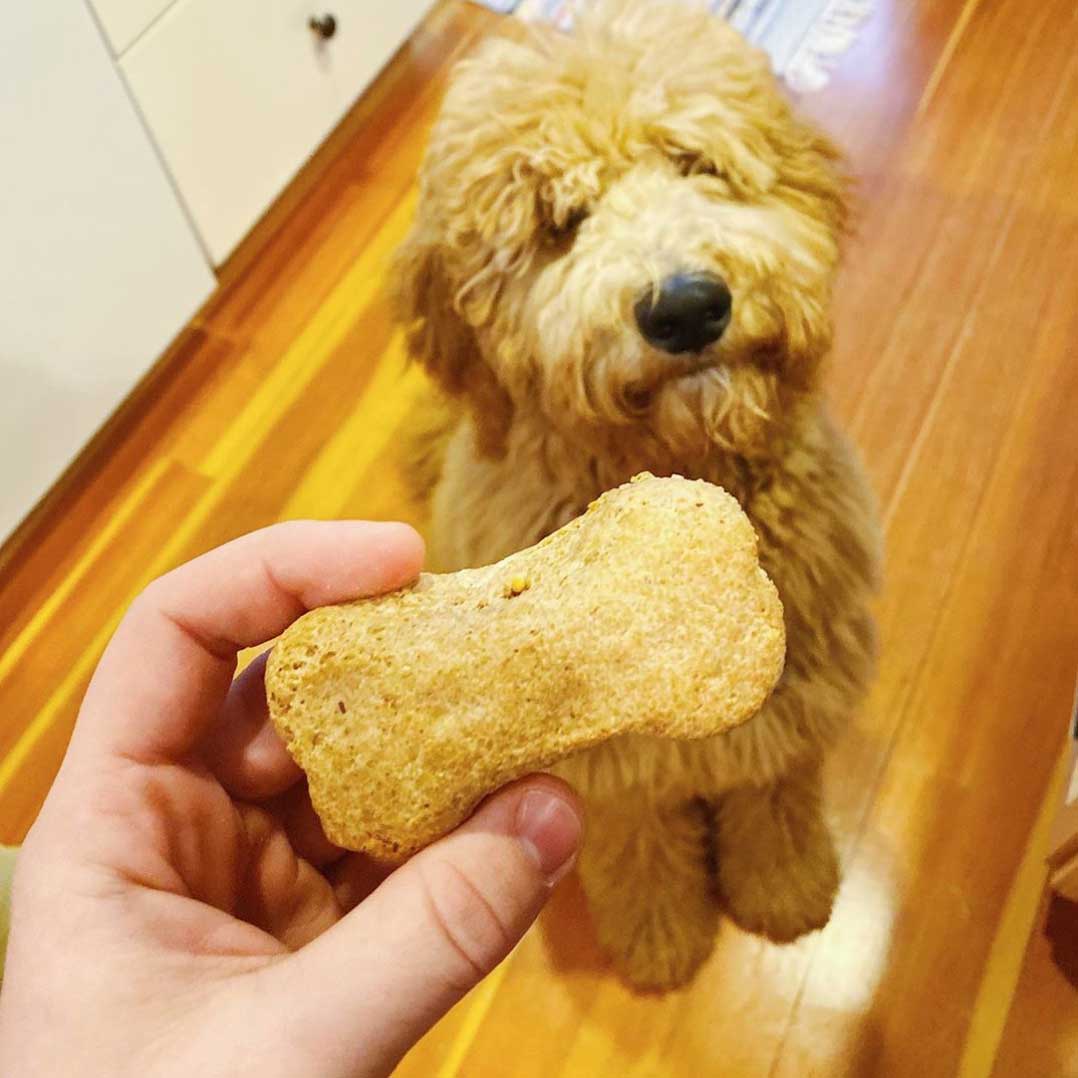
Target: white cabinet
<point>99,267</point>
<point>239,93</point>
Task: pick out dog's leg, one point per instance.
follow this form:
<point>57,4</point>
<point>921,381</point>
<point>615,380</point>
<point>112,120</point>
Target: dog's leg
<point>776,863</point>
<point>645,873</point>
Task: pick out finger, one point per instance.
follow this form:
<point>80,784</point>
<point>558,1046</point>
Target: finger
<point>281,893</point>
<point>355,877</point>
<point>400,960</point>
<point>295,813</point>
<point>166,671</point>
<point>242,748</point>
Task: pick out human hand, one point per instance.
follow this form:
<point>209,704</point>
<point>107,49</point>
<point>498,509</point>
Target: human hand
<point>177,908</point>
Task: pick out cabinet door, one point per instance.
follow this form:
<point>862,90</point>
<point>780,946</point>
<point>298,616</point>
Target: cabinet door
<point>99,267</point>
<point>239,93</point>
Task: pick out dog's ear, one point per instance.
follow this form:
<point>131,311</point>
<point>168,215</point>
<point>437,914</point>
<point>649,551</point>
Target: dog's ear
<point>814,176</point>
<point>440,338</point>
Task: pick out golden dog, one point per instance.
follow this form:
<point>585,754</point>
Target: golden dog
<point>622,259</point>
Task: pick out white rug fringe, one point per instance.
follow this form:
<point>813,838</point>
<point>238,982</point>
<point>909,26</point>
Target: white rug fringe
<point>809,69</point>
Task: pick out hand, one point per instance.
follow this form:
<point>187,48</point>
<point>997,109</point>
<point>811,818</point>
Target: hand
<point>177,909</point>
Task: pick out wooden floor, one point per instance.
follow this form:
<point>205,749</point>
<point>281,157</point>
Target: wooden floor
<point>956,370</point>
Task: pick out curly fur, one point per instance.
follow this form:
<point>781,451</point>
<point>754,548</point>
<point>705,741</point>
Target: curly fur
<point>565,176</point>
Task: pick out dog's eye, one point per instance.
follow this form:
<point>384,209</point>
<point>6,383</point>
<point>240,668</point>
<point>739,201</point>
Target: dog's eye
<point>690,165</point>
<point>566,229</point>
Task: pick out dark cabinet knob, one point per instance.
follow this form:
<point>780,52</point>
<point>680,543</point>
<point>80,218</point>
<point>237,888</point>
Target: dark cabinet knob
<point>325,26</point>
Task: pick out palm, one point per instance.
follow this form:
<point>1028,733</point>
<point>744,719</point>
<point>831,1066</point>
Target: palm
<point>213,875</point>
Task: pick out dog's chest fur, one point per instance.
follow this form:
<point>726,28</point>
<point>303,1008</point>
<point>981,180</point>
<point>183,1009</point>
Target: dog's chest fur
<point>818,541</point>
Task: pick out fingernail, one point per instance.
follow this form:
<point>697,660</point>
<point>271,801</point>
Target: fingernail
<point>549,829</point>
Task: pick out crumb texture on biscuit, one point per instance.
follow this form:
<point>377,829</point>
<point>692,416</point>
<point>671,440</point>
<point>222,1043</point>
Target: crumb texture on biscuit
<point>648,614</point>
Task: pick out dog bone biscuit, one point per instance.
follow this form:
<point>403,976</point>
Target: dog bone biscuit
<point>648,614</point>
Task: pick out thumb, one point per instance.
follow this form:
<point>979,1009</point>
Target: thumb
<point>385,973</point>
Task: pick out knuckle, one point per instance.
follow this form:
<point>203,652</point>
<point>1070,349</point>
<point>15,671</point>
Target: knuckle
<point>475,931</point>
<point>154,599</point>
<point>287,531</point>
<point>148,598</point>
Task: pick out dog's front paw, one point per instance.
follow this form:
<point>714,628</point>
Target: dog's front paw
<point>780,898</point>
<point>661,948</point>
<point>650,892</point>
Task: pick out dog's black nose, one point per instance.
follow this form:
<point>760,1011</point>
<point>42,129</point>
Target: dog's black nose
<point>691,311</point>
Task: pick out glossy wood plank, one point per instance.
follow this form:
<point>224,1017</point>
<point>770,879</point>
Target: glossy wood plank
<point>998,993</point>
<point>954,369</point>
<point>1041,1036</point>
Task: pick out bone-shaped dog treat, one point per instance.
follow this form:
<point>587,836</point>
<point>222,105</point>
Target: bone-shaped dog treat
<point>648,614</point>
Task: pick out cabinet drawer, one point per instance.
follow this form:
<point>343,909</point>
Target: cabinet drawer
<point>238,94</point>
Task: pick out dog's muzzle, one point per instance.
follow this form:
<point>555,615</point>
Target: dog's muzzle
<point>690,311</point>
